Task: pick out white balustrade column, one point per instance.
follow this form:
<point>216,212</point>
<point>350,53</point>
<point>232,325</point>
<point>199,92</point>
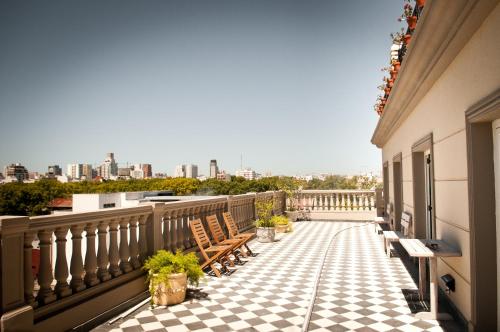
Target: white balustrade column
<point>76,267</point>
<point>61,269</point>
<point>90,256</point>
<point>45,277</point>
<point>102,252</point>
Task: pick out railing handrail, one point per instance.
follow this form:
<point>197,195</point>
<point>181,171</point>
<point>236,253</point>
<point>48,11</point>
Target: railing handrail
<point>70,219</point>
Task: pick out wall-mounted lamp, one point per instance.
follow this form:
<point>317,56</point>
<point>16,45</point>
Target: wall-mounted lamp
<point>449,282</point>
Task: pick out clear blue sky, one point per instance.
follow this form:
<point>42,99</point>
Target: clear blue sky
<point>288,84</point>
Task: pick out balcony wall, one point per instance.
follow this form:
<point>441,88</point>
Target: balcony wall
<point>338,204</point>
<point>91,262</point>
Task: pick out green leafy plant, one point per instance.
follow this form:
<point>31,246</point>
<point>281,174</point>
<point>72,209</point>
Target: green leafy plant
<point>291,188</point>
<point>264,209</point>
<point>165,263</point>
<point>280,220</point>
<point>265,223</point>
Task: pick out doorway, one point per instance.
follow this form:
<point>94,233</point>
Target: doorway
<point>398,192</point>
<point>496,163</point>
<point>424,224</point>
<point>483,180</point>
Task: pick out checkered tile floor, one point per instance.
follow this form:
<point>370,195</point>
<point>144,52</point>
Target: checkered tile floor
<point>360,289</point>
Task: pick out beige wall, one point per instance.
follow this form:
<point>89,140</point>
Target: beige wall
<point>441,112</point>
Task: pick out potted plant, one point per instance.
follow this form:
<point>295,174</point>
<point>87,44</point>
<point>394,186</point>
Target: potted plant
<point>265,224</point>
<point>168,275</point>
<point>407,39</point>
<point>282,224</point>
<point>291,188</point>
<point>420,3</point>
<point>408,16</point>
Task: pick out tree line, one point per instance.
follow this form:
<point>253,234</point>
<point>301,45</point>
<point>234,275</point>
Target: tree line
<point>33,198</point>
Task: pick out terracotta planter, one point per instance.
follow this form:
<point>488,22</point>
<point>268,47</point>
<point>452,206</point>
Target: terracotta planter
<point>281,228</point>
<point>265,234</point>
<point>412,22</point>
<point>387,91</point>
<point>175,293</point>
<point>390,83</point>
<point>394,73</point>
<point>407,39</point>
<point>396,65</point>
<point>420,3</point>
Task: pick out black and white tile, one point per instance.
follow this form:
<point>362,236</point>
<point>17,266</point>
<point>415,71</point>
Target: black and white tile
<point>360,289</point>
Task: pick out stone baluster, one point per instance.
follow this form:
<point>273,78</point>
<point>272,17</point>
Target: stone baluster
<point>76,267</point>
<point>61,268</point>
<point>102,252</point>
<point>167,229</point>
<point>143,240</point>
<point>45,293</point>
<point>114,257</point>
<point>337,202</point>
<point>343,202</point>
<point>355,205</point>
<point>124,248</point>
<point>90,256</point>
<point>133,245</point>
<point>28,270</point>
<point>186,231</point>
<point>372,201</point>
<point>173,229</point>
<point>179,228</point>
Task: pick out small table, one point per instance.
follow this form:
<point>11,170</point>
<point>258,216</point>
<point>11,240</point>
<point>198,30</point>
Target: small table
<point>418,248</point>
<point>380,221</point>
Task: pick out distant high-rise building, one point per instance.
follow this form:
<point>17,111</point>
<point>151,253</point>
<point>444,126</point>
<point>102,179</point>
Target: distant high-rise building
<point>147,169</point>
<point>180,171</point>
<point>87,171</point>
<point>247,173</point>
<point>16,171</point>
<point>213,168</point>
<point>109,168</point>
<point>191,171</point>
<point>75,171</point>
<point>53,171</point>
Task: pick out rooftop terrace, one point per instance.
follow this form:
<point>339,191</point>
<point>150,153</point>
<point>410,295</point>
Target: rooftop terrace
<point>360,289</point>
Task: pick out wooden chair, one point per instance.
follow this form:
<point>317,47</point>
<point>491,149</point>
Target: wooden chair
<point>220,238</point>
<point>211,253</point>
<point>234,233</point>
<point>395,236</point>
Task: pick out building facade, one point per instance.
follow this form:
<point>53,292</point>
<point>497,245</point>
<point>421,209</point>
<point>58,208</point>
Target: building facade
<point>191,171</point>
<point>75,171</point>
<point>214,169</point>
<point>109,168</point>
<point>16,172</point>
<point>53,171</point>
<point>180,171</point>
<point>439,134</point>
<point>247,173</point>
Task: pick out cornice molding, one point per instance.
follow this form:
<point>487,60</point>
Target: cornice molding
<point>442,31</point>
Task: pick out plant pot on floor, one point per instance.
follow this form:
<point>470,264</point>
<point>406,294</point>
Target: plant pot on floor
<point>281,228</point>
<point>173,293</point>
<point>292,215</point>
<point>265,234</point>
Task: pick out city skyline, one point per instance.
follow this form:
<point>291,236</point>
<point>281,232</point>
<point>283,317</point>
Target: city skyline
<point>288,85</point>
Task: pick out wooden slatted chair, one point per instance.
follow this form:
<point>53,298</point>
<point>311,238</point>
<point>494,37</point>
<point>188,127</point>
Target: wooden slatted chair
<point>211,253</point>
<point>234,233</point>
<point>220,238</point>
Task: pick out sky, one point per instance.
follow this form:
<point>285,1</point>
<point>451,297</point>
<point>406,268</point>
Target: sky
<point>287,85</point>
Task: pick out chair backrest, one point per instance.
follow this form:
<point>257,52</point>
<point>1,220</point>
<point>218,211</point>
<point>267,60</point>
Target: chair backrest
<point>231,225</point>
<point>405,222</point>
<point>199,234</point>
<point>215,228</point>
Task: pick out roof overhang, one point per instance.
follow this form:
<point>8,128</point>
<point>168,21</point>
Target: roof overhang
<point>442,31</point>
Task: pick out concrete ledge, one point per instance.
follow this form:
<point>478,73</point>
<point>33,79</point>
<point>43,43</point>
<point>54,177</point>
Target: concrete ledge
<point>343,215</point>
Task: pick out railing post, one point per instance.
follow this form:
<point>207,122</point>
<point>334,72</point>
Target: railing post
<point>155,239</point>
<point>12,260</point>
